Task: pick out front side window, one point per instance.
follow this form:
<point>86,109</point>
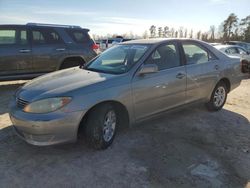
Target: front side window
<point>165,57</point>
<point>7,36</point>
<point>195,54</point>
<point>118,59</point>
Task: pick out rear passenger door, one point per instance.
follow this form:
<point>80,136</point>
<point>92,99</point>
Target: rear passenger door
<point>48,49</point>
<point>15,51</point>
<point>165,89</point>
<point>202,69</point>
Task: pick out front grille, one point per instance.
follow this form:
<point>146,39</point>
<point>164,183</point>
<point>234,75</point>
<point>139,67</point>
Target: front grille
<point>21,103</point>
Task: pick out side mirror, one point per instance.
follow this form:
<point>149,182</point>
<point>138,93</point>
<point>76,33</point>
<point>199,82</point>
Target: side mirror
<point>148,68</point>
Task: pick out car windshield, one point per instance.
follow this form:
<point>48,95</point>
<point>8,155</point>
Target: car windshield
<point>118,59</point>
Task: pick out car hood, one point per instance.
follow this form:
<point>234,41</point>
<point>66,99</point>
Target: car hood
<point>61,83</point>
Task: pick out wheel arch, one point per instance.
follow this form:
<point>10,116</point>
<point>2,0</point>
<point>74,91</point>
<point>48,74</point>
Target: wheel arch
<point>71,58</point>
<point>121,109</point>
<point>227,82</point>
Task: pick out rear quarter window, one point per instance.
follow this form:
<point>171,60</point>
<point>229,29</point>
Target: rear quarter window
<point>78,36</point>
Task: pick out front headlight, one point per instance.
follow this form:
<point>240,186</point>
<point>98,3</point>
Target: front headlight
<point>47,105</point>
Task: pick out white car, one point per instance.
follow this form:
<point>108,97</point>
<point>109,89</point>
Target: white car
<point>234,50</point>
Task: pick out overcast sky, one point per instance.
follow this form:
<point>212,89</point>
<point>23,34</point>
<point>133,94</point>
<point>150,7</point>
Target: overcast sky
<point>123,16</point>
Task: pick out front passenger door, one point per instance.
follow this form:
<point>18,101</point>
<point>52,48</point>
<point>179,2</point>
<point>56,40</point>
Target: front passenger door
<point>165,89</point>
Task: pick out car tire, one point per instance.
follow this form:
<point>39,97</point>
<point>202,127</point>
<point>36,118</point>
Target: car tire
<point>218,97</point>
<point>101,126</point>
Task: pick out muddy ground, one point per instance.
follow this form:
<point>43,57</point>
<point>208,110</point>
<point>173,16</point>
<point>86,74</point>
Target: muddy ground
<point>187,148</point>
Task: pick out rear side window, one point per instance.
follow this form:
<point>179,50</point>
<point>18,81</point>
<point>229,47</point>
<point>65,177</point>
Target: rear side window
<point>195,54</point>
<point>8,36</point>
<point>45,36</point>
<point>78,36</point>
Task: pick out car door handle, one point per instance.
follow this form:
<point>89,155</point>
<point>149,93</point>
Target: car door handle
<point>180,75</point>
<point>216,67</point>
<point>60,49</point>
<point>24,51</point>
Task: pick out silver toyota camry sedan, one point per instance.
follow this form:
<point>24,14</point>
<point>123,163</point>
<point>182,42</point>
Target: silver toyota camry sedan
<point>126,84</point>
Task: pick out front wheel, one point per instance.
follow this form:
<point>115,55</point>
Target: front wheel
<point>218,97</point>
<point>101,126</point>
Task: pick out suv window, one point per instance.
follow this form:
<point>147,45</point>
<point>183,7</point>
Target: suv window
<point>45,36</point>
<point>38,37</point>
<point>195,54</point>
<point>23,37</point>
<point>165,56</point>
<point>78,36</point>
<point>7,36</point>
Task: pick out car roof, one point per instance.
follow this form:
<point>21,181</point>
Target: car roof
<point>226,46</point>
<point>37,25</point>
<point>158,40</point>
<point>235,41</point>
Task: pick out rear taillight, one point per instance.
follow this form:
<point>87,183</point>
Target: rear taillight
<point>96,48</point>
<point>245,66</point>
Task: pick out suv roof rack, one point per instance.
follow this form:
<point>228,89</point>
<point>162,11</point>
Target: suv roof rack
<point>53,25</point>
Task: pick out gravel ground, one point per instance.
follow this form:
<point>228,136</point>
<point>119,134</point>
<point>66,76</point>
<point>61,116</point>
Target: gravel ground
<point>188,148</point>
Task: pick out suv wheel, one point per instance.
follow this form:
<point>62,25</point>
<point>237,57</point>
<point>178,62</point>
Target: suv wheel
<point>218,97</point>
<point>101,126</point>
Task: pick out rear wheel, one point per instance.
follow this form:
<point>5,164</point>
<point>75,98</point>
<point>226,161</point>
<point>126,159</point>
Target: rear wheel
<point>218,97</point>
<point>72,62</point>
<point>101,126</point>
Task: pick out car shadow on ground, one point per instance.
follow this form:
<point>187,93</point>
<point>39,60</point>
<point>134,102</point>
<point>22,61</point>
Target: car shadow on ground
<point>188,148</point>
<point>6,92</point>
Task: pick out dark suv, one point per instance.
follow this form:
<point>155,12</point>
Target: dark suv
<point>33,49</point>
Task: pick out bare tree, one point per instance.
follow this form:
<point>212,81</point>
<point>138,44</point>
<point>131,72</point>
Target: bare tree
<point>160,32</point>
<point>166,31</point>
<point>172,32</point>
<point>145,34</point>
<point>212,30</point>
<point>152,30</point>
<point>204,36</point>
<point>191,33</point>
<point>198,35</point>
<point>176,34</point>
<point>181,32</point>
<point>185,33</point>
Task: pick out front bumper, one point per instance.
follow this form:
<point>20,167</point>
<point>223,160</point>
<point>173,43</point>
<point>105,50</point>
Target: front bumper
<point>46,129</point>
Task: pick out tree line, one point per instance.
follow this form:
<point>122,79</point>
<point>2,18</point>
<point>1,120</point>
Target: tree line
<point>231,28</point>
